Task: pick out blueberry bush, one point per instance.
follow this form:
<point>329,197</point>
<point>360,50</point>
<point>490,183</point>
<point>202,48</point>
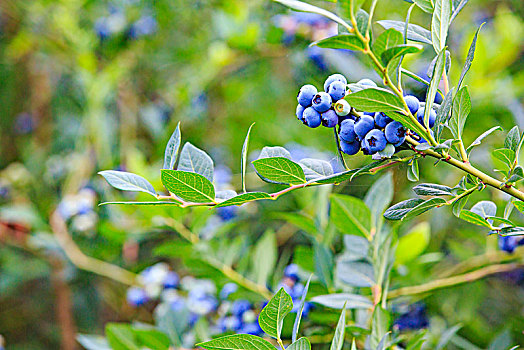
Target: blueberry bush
<point>399,228</point>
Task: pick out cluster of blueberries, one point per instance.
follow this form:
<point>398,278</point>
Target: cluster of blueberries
<point>369,132</point>
<point>198,298</point>
<point>116,22</point>
<point>510,243</point>
<point>80,209</point>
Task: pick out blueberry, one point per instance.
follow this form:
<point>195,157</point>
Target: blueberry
<point>171,280</point>
<point>376,140</point>
<point>322,102</point>
<point>230,323</point>
<point>251,328</point>
<point>364,145</point>
<point>350,148</point>
<point>347,130</point>
<point>300,112</point>
<point>146,25</point>
<point>337,90</point>
<point>227,290</point>
<point>432,116</point>
<point>395,132</point>
<point>291,271</point>
<point>508,243</point>
<point>414,319</point>
<point>372,114</point>
<point>227,213</point>
<point>364,125</point>
<point>413,103</point>
<point>381,120</point>
<point>334,77</point>
<point>136,296</point>
<point>342,108</point>
<point>312,118</point>
<point>306,94</point>
<point>424,140</point>
<point>329,118</point>
<point>240,306</point>
<point>367,83</point>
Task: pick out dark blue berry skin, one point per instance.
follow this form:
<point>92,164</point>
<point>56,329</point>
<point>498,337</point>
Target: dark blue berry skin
<point>291,271</point>
<point>432,116</point>
<point>376,140</point>
<point>300,112</point>
<point>322,102</point>
<point>136,296</point>
<point>509,243</point>
<point>413,103</point>
<point>240,306</point>
<point>306,94</point>
<point>171,280</point>
<point>334,77</point>
<point>395,132</point>
<point>227,213</point>
<point>350,148</point>
<point>381,120</point>
<point>367,83</point>
<point>414,319</point>
<point>337,90</point>
<point>364,125</point>
<point>329,118</point>
<point>311,117</point>
<point>372,114</point>
<point>424,140</point>
<point>365,147</point>
<point>347,131</point>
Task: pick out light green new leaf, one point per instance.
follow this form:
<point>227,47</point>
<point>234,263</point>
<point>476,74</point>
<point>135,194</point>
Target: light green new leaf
<point>505,155</point>
<point>440,24</point>
<point>425,5</point>
<point>120,337</point>
<point>244,198</point>
<point>189,186</point>
<point>237,342</point>
<point>338,337</point>
<point>272,315</point>
<point>350,215</point>
<point>512,139</point>
<point>413,243</point>
<point>519,205</point>
<point>375,100</point>
<point>389,38</point>
<point>128,181</point>
<point>342,41</point>
<point>474,218</point>
<point>279,170</point>
<point>152,338</point>
<point>243,163</point>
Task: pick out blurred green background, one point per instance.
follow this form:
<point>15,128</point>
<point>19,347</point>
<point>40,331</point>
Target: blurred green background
<point>89,85</point>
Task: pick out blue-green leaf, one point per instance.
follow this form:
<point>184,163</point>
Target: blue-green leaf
<point>512,140</point>
<point>128,181</point>
<point>338,337</point>
<point>244,198</point>
<point>399,210</point>
<point>194,160</point>
<point>433,86</point>
<point>302,6</point>
<point>440,24</point>
<point>243,163</point>
<point>432,190</point>
<point>400,50</point>
<point>171,152</point>
<point>355,273</point>
<point>301,344</point>
<point>324,265</point>
<point>461,109</point>
<point>315,168</point>
<point>337,301</point>
<point>469,57</point>
<point>479,139</point>
<point>296,325</point>
<point>415,32</point>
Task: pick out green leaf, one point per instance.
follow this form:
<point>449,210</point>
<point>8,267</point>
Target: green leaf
<point>264,257</point>
<point>516,175</point>
<point>507,156</point>
<point>159,203</point>
<point>375,100</point>
<point>272,315</point>
<point>512,139</point>
<point>512,231</point>
<point>399,50</point>
<point>459,205</point>
<point>172,322</point>
<point>244,198</point>
<point>519,205</point>
<point>389,38</point>
<point>323,258</point>
<point>92,342</point>
<point>432,190</point>
<point>415,32</point>
<point>399,210</point>
<point>315,168</point>
<point>280,170</point>
<point>438,70</point>
<point>243,163</point>
<point>474,218</point>
<point>443,113</point>
<point>380,325</point>
<point>440,24</point>
<point>413,172</point>
<point>355,273</point>
<point>171,152</point>
<point>189,186</point>
<point>362,18</point>
<point>413,243</point>
<point>379,196</point>
<point>424,5</point>
<point>302,6</point>
<point>499,219</point>
<point>296,325</point>
<point>194,160</point>
<point>342,41</point>
<point>237,342</point>
<point>457,9</point>
<point>461,109</point>
<point>469,57</point>
<point>299,220</point>
<point>479,139</point>
<point>337,178</point>
<point>446,336</point>
<point>418,78</point>
<point>350,215</point>
<point>424,207</point>
<point>127,181</point>
<point>152,339</point>
<point>120,337</point>
<point>357,247</point>
<point>338,337</point>
<point>337,301</point>
<point>301,344</point>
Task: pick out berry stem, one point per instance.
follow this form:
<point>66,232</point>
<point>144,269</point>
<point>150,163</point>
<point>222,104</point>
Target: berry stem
<point>337,141</point>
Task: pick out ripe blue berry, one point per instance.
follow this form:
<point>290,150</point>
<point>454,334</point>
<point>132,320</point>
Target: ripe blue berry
<point>365,147</point>
<point>375,140</point>
<point>381,120</point>
<point>300,112</point>
<point>306,94</point>
<point>350,148</point>
<point>334,77</point>
<point>311,117</point>
<point>424,140</point>
<point>364,125</point>
<point>329,118</point>
<point>413,103</point>
<point>432,116</point>
<point>240,306</point>
<point>367,83</point>
<point>342,108</point>
<point>414,319</point>
<point>291,271</point>
<point>171,280</point>
<point>395,132</point>
<point>336,90</point>
<point>322,102</point>
<point>227,290</point>
<point>347,130</point>
<point>136,296</point>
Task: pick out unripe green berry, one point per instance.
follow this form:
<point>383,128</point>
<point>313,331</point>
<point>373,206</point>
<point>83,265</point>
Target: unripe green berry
<point>342,108</point>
